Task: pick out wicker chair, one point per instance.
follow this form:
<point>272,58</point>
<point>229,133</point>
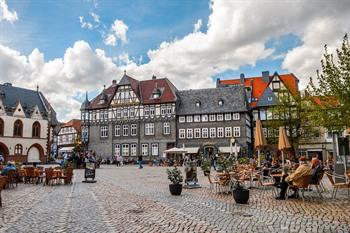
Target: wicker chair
<point>11,179</point>
<point>49,176</point>
<point>67,175</point>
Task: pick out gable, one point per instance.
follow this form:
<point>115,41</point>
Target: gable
<point>36,113</point>
<point>125,95</point>
<point>19,111</point>
<point>267,99</point>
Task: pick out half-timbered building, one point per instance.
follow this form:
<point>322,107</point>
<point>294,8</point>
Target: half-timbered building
<point>131,118</point>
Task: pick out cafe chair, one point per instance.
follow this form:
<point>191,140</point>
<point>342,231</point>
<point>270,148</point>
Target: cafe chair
<point>302,187</point>
<point>336,186</point>
<point>3,181</point>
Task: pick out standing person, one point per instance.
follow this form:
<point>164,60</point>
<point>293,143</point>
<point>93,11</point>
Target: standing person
<point>140,162</point>
<point>1,158</point>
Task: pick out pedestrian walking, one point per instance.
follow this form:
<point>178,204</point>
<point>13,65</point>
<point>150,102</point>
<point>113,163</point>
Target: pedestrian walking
<point>140,162</point>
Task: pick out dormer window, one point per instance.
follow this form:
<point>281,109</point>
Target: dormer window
<point>269,98</point>
<point>221,102</point>
<point>156,93</point>
<point>198,104</point>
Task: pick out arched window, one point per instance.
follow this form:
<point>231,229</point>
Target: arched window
<point>36,130</point>
<point>18,129</point>
<point>18,149</point>
<point>1,127</point>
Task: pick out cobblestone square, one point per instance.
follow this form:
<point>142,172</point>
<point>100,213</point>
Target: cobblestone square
<point>128,199</point>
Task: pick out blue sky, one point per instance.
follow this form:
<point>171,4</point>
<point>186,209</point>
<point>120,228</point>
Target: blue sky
<point>68,47</point>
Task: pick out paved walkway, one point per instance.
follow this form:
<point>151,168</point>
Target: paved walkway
<point>126,199</point>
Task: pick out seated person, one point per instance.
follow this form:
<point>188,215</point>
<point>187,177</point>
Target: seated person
<point>315,161</point>
<point>295,178</point>
<point>10,166</point>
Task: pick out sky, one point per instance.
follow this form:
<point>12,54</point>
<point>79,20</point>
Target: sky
<point>68,47</point>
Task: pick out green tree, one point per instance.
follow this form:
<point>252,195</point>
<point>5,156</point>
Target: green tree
<point>331,106</point>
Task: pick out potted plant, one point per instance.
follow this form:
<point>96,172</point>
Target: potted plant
<point>176,178</point>
<point>240,193</point>
<point>206,167</point>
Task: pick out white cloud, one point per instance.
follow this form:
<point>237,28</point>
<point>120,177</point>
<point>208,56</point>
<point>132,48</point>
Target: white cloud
<point>84,24</point>
<point>117,32</point>
<point>6,14</point>
<point>197,26</point>
<point>96,17</point>
<point>60,79</point>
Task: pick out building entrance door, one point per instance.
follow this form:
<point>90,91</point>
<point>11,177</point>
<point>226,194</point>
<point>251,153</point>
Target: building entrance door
<point>33,155</point>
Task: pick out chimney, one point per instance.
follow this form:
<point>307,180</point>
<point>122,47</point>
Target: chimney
<point>218,82</point>
<point>154,77</point>
<point>114,82</point>
<point>8,84</point>
<point>241,77</point>
<point>266,76</point>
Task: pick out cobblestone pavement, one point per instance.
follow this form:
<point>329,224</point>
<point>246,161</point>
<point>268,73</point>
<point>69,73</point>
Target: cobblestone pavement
<point>127,199</point>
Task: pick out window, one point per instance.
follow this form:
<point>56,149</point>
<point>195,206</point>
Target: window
<point>36,130</point>
<point>144,149</point>
<point>212,132</point>
<point>276,85</point>
<point>228,117</point>
<point>221,102</point>
<point>94,116</point>
<point>18,149</point>
<point>268,114</point>
<point>264,132</point>
<point>146,111</point>
<point>189,133</point>
<point>154,149</point>
<point>198,104</point>
<point>163,110</point>
<point>220,132</point>
<point>105,115</point>
<point>220,117</point>
<point>104,131</point>
<point>235,116</point>
<point>169,110</point>
<point>125,150</point>
<point>117,130</point>
<point>126,113</point>
<point>181,133</point>
<point>18,128</point>
<point>166,128</point>
<point>262,114</point>
<point>269,98</point>
<point>125,130</point>
<point>212,117</point>
<point>197,118</point>
<point>204,118</point>
<point>181,119</point>
<point>205,133</point>
<point>149,129</point>
<point>132,112</point>
<point>133,150</point>
<point>197,133</point>
<point>236,131</point>
<point>228,132</point>
<point>151,111</point>
<point>133,130</point>
<point>119,113</point>
<point>189,119</point>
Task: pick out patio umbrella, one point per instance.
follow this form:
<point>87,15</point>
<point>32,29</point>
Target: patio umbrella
<point>283,142</point>
<point>259,139</point>
<point>175,150</point>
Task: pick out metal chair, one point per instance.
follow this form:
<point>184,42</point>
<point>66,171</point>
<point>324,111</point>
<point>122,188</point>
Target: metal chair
<point>303,186</point>
<point>336,186</point>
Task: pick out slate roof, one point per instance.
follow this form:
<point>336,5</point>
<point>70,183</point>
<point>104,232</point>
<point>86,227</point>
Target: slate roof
<point>234,100</point>
<point>264,99</point>
<point>11,95</point>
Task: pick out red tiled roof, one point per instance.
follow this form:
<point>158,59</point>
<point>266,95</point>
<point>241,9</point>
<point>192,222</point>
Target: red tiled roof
<point>258,85</point>
<point>94,104</point>
<point>147,87</point>
<point>75,123</point>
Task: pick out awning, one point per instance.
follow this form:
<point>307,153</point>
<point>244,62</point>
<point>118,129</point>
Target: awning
<point>176,150</point>
<point>192,150</point>
<point>66,149</point>
<point>227,149</point>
